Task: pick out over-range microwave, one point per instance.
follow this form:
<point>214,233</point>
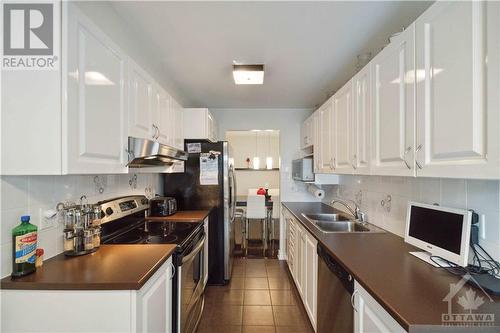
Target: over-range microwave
<point>302,169</point>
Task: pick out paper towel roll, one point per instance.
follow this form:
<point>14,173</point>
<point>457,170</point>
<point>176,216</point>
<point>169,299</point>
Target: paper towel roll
<point>316,191</point>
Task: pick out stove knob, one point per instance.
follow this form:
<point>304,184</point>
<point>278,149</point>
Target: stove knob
<point>109,211</point>
<point>102,214</point>
<point>144,201</point>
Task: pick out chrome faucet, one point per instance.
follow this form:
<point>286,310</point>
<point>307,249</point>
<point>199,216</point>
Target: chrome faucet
<point>356,213</point>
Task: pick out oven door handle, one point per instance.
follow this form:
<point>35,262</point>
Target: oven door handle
<point>195,251</point>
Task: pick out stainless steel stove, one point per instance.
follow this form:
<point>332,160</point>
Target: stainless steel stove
<point>124,221</point>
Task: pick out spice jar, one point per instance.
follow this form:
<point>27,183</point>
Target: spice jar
<point>97,237</point>
<point>69,220</point>
<point>39,257</point>
<point>88,241</point>
<point>68,240</point>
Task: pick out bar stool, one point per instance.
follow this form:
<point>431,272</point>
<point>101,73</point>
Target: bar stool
<point>240,213</point>
<point>256,210</point>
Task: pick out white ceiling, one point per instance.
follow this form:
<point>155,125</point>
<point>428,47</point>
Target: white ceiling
<point>309,48</point>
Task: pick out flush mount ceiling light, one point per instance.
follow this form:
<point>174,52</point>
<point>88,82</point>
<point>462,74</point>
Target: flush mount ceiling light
<point>248,74</point>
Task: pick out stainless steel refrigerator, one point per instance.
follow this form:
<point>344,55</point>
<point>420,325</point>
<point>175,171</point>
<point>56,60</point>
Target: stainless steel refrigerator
<point>220,198</point>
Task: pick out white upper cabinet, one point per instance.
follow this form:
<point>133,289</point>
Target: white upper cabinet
<point>393,112</point>
<point>178,124</point>
<point>140,120</point>
<point>341,130</point>
<point>325,138</point>
<point>457,61</point>
<point>94,112</point>
<point>306,133</point>
<point>163,117</point>
<point>199,123</point>
<point>316,128</point>
<point>360,121</point>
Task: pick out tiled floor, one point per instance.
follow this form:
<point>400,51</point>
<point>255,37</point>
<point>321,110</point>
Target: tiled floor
<point>260,298</point>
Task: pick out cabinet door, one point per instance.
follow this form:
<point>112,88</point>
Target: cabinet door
<point>301,267</point>
<point>178,129</point>
<point>341,130</point>
<point>140,117</point>
<point>317,141</point>
<point>211,127</point>
<point>371,316</point>
<point>306,133</point>
<point>311,279</point>
<point>94,136</point>
<point>165,121</point>
<point>326,159</point>
<point>155,301</point>
<point>393,107</point>
<point>360,121</point>
<point>457,90</point>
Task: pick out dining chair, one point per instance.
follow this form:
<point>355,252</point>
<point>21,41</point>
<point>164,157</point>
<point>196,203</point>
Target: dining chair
<point>256,210</point>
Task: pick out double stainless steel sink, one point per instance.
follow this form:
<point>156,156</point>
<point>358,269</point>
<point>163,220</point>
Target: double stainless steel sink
<point>340,223</point>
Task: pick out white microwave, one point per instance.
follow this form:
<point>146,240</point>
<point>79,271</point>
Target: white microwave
<point>302,169</point>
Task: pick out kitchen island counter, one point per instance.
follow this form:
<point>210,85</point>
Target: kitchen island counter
<point>112,267</point>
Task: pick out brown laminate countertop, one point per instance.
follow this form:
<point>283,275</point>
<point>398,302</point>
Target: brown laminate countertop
<point>183,216</point>
<point>411,290</point>
<point>112,267</point>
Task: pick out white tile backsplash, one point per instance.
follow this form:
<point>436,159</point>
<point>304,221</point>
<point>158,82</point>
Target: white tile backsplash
<point>31,195</point>
<point>483,196</point>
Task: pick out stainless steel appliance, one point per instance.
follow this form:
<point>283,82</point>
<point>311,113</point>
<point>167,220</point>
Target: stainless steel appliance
<point>125,222</point>
<point>302,169</point>
<point>148,153</point>
<point>220,199</point>
<point>335,288</point>
<point>162,206</point>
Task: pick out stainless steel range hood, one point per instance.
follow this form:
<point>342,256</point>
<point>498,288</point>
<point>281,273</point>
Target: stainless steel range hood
<point>146,153</point>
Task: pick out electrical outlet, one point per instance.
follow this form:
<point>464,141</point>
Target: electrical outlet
<point>46,222</point>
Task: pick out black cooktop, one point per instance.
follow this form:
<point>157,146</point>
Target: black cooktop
<point>179,233</point>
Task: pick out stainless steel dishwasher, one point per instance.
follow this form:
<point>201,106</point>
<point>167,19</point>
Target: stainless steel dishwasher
<point>335,288</point>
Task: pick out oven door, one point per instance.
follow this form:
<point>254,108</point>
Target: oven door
<point>191,286</point>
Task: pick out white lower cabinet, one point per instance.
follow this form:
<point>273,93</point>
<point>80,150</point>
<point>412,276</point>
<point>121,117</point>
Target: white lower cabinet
<point>148,309</point>
<point>370,316</point>
<point>302,259</point>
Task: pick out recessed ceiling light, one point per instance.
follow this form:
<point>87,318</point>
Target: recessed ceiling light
<point>248,74</point>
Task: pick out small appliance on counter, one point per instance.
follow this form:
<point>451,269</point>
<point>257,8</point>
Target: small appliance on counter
<point>162,206</point>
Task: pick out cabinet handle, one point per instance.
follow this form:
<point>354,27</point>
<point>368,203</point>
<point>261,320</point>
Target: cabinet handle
<point>354,159</point>
<point>416,160</point>
<point>154,131</point>
<point>334,163</point>
<point>407,150</point>
<point>331,163</point>
<point>352,300</point>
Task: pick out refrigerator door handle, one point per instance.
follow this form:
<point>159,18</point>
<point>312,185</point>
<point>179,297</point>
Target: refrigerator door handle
<point>233,193</point>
